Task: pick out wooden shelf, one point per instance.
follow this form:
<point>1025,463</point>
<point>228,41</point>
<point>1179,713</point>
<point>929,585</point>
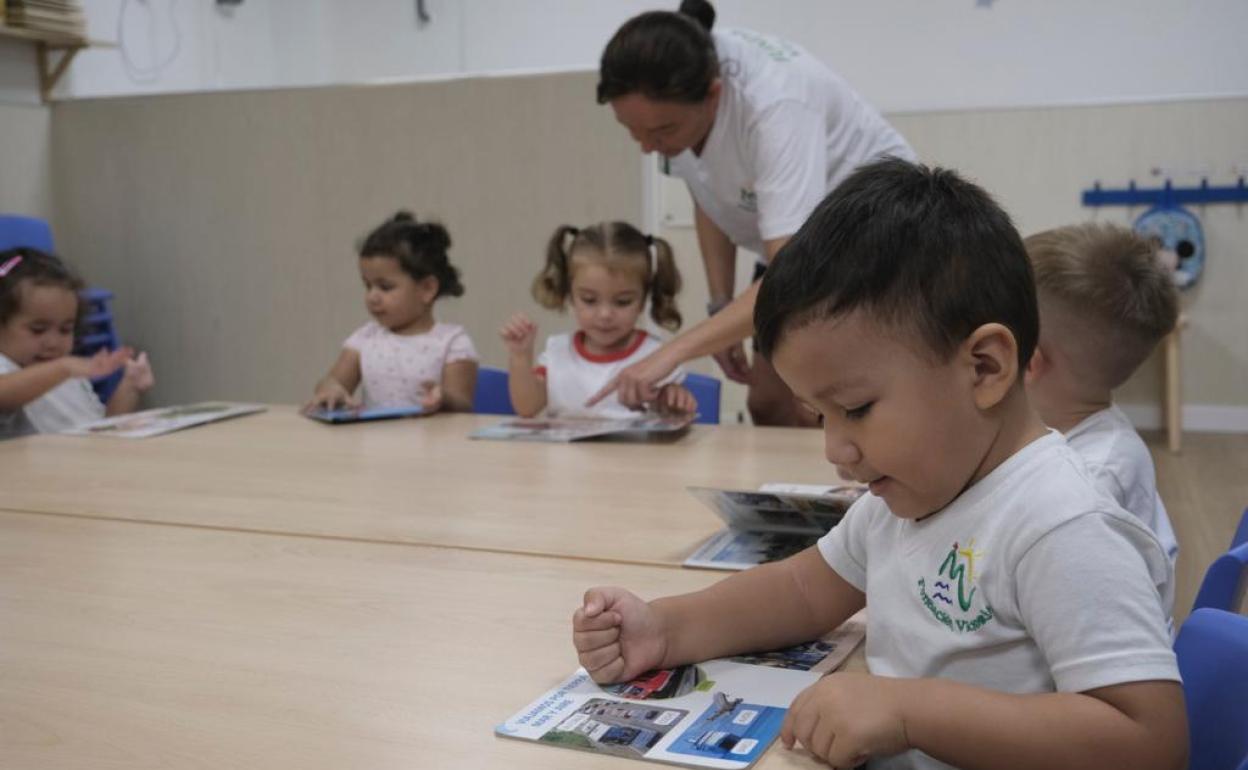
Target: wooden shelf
<point>46,45</point>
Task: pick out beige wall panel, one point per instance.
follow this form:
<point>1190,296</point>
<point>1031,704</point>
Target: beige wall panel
<point>226,222</point>
<point>1037,161</point>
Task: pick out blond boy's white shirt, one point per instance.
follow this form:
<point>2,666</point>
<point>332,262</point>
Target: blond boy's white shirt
<point>1121,467</point>
<point>1030,581</point>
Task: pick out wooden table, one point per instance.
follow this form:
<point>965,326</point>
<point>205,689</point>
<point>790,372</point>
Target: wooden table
<point>412,481</point>
<point>136,645</point>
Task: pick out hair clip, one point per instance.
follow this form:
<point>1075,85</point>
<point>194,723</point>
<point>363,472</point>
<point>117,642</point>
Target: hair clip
<point>8,266</point>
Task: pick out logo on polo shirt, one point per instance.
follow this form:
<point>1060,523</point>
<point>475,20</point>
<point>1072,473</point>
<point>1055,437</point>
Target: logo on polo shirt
<point>952,596</point>
<point>748,201</point>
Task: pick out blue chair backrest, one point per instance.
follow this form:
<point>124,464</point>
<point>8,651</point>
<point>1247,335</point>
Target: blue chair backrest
<point>1223,580</point>
<point>706,390</point>
<point>1241,534</point>
<point>1212,649</point>
<point>17,231</point>
<point>491,395</point>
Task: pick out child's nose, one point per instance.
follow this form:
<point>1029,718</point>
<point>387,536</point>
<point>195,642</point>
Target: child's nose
<point>837,448</point>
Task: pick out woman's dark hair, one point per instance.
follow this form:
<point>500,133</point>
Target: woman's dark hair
<point>916,247</point>
<point>620,246</point>
<point>661,55</point>
<point>420,248</point>
<point>37,267</point>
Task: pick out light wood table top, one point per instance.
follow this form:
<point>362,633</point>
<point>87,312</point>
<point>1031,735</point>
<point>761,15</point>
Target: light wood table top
<point>138,646</point>
<point>412,481</point>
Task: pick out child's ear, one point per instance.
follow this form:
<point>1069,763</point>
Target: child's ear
<point>1039,364</point>
<point>429,286</point>
<point>993,353</point>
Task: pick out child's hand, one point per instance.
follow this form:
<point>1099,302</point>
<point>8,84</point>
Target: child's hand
<point>617,635</point>
<point>431,397</point>
<point>847,717</point>
<point>331,395</point>
<point>676,399</point>
<point>139,373</point>
<point>519,334</point>
<point>102,364</point>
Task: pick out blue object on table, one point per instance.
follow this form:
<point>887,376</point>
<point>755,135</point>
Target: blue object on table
<point>98,331</point>
<point>1212,650</point>
<point>492,395</point>
<point>16,230</point>
<point>1225,577</point>
<point>706,390</point>
<point>340,416</point>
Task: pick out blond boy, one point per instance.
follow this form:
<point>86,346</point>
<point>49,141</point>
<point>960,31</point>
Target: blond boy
<point>1105,302</point>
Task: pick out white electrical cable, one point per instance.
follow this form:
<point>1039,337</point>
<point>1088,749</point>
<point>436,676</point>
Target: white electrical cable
<point>150,73</point>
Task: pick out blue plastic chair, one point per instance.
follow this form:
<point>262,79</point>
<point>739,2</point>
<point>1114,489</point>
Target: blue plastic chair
<point>1241,534</point>
<point>98,332</point>
<point>491,395</point>
<point>706,390</point>
<point>1212,649</point>
<point>18,230</point>
<point>1225,577</point>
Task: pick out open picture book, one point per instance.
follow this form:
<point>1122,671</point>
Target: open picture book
<point>155,422</point>
<point>343,416</point>
<point>722,713</point>
<point>565,429</point>
<point>770,524</point>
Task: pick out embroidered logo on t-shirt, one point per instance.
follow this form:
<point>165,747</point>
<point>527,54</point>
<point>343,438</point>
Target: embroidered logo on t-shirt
<point>953,598</point>
<point>749,201</point>
<point>775,49</point>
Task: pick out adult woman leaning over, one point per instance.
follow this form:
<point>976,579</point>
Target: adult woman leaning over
<point>760,132</point>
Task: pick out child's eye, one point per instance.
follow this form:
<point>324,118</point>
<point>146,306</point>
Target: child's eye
<point>588,300</point>
<point>857,413</point>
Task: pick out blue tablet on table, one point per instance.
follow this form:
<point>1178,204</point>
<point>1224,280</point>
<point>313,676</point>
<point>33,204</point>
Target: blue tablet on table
<point>341,416</point>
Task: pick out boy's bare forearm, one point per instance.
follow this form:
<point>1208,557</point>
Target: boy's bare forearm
<point>1141,726</point>
<point>19,388</point>
<point>764,608</point>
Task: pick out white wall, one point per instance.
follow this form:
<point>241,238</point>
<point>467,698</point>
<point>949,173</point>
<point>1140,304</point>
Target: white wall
<point>25,160</point>
<point>902,54</point>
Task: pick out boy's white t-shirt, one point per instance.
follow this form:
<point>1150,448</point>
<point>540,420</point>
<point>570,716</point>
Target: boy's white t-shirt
<point>395,367</point>
<point>1122,468</point>
<point>15,423</point>
<point>573,374</point>
<point>787,131</point>
<point>1030,581</point>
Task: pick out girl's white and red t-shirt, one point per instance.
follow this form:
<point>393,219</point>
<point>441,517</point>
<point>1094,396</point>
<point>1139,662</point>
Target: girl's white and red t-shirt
<point>395,367</point>
<point>573,374</point>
